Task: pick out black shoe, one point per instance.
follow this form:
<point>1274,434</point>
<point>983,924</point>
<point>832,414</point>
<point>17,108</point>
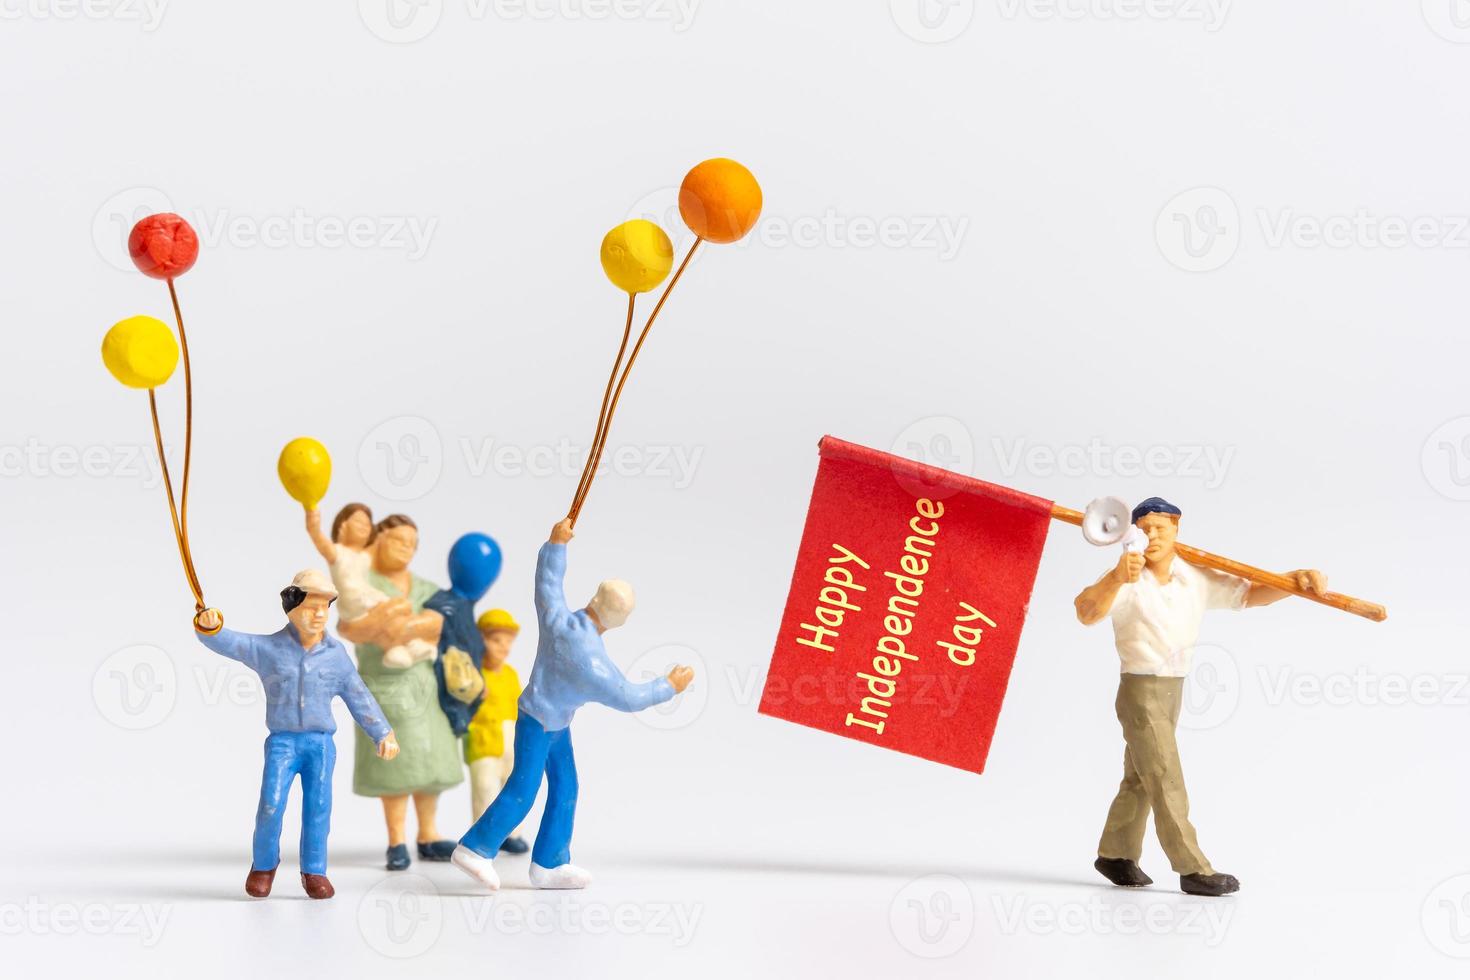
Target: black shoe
<point>514,845</point>
<point>398,857</point>
<point>1213,885</point>
<point>1122,872</point>
<point>436,850</point>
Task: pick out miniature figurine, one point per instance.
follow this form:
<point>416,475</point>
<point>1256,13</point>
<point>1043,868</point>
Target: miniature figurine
<point>302,667</point>
<point>572,668</point>
<point>465,679</point>
<point>410,699</point>
<point>487,750</point>
<point>474,565</point>
<point>348,554</point>
<point>1156,603</point>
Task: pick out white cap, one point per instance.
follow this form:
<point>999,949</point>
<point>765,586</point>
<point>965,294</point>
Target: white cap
<point>313,582</point>
<point>612,603</point>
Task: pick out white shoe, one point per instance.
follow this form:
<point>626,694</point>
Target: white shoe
<point>561,876</point>
<point>482,869</point>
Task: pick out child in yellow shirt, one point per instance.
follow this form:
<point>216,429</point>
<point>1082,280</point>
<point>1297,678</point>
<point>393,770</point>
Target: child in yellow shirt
<point>488,743</point>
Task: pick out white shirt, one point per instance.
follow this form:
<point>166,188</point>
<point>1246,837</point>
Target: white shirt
<point>355,592</point>
<point>1155,625</point>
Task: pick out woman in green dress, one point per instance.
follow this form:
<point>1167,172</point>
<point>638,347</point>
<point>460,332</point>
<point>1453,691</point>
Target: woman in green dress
<point>428,762</point>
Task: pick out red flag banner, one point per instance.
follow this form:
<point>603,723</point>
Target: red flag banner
<point>907,602</point>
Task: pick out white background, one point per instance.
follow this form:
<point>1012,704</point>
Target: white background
<point>1175,226</point>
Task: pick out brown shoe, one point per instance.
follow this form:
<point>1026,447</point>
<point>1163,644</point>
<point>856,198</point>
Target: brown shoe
<point>1213,885</point>
<point>258,883</point>
<point>1122,872</point>
<point>317,886</point>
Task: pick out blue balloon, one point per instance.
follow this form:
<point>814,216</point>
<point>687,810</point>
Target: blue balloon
<point>474,565</point>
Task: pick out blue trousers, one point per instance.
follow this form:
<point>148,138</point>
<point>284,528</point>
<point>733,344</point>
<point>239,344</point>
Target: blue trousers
<point>537,752</point>
<point>310,755</point>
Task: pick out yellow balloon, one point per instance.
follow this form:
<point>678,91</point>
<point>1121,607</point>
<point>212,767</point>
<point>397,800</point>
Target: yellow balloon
<point>305,470</point>
<point>140,351</point>
<point>637,255</point>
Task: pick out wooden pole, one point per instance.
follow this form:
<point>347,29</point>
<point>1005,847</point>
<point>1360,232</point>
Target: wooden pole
<point>1358,607</point>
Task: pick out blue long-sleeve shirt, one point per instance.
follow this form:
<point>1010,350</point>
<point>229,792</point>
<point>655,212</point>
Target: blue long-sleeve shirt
<point>300,684</point>
<point>572,666</point>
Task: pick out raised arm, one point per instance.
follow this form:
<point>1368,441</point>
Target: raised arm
<point>324,545</point>
<point>228,643</point>
<point>1096,601</point>
<point>551,573</point>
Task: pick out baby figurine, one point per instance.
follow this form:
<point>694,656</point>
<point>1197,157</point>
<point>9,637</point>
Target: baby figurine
<point>349,558</point>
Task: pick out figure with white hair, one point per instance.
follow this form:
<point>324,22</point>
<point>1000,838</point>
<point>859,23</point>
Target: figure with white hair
<point>572,668</point>
<point>302,668</point>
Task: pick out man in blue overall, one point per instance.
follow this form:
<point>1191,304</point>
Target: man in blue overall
<point>572,668</point>
<point>302,667</point>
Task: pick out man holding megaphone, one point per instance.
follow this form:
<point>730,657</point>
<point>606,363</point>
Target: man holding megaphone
<point>1156,602</point>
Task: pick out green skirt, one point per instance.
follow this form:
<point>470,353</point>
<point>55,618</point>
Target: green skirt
<point>429,755</point>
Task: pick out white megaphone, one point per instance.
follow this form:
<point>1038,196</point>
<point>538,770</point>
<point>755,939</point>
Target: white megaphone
<point>1109,520</point>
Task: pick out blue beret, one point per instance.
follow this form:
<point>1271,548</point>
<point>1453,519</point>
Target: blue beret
<point>1155,505</point>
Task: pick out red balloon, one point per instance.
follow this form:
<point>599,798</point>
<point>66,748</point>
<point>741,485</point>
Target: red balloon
<point>163,246</point>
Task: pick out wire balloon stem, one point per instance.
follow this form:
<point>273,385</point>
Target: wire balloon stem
<point>173,512</point>
<point>601,430</point>
<point>590,473</point>
<point>179,512</point>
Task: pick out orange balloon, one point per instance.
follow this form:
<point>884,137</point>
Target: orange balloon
<point>720,200</point>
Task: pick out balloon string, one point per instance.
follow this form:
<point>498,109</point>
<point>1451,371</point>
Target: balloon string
<point>181,518</point>
<point>188,419</point>
<point>627,370</point>
<point>168,486</point>
<point>600,432</point>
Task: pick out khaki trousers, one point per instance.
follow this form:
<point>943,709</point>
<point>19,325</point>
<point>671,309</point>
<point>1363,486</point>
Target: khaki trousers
<point>487,776</point>
<point>1148,709</point>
